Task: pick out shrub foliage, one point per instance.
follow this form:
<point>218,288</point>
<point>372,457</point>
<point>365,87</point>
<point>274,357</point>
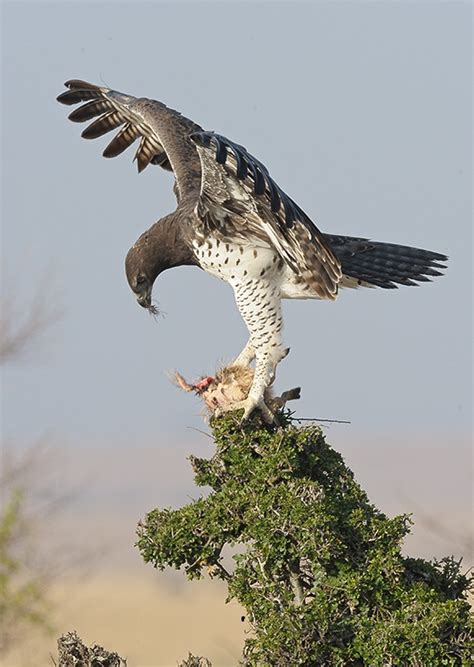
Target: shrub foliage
<point>320,573</point>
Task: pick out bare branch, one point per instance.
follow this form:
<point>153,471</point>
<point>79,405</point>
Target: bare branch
<point>20,327</point>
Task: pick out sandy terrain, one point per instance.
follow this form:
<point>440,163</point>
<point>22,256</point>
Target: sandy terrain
<point>152,620</point>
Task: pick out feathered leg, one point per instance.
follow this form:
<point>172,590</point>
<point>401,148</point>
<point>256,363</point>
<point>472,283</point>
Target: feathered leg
<point>259,304</point>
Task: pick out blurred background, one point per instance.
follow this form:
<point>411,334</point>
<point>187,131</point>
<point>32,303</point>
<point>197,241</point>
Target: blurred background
<point>362,113</point>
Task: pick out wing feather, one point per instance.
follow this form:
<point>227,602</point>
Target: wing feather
<point>71,97</point>
<point>164,132</point>
<point>238,195</point>
<point>122,140</point>
<point>106,123</point>
<point>146,151</point>
<point>90,110</point>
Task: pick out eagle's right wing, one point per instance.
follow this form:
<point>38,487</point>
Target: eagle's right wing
<point>163,132</point>
<point>239,198</point>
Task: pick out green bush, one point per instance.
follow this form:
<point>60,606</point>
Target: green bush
<point>22,597</point>
<point>321,573</point>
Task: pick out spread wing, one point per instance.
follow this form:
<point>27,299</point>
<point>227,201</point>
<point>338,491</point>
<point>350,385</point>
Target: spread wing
<point>240,199</point>
<point>163,132</point>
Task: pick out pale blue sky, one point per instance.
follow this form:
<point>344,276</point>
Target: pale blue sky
<point>361,111</point>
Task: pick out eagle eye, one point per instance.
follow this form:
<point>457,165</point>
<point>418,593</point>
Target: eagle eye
<point>141,280</point>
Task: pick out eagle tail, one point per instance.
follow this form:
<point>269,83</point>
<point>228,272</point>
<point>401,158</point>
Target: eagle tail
<point>387,265</point>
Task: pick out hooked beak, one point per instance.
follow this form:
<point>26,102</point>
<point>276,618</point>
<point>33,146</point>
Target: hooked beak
<point>144,300</point>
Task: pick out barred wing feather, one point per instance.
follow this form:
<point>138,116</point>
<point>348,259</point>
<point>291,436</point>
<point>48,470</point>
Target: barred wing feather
<point>239,198</point>
<point>163,132</point>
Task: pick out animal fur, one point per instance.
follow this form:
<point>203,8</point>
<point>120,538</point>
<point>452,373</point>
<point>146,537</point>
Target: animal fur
<point>230,385</point>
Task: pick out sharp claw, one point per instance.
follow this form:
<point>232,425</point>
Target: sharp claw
<point>249,405</point>
<point>247,414</point>
<point>268,415</point>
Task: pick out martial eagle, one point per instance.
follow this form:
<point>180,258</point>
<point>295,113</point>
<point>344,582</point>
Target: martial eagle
<point>236,223</point>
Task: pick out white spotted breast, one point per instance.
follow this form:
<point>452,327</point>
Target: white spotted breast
<point>236,262</point>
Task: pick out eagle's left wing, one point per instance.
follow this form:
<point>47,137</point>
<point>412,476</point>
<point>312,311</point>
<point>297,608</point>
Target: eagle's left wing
<point>239,198</point>
<point>163,132</point>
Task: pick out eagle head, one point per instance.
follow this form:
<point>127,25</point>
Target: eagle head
<point>142,268</point>
<point>163,246</point>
